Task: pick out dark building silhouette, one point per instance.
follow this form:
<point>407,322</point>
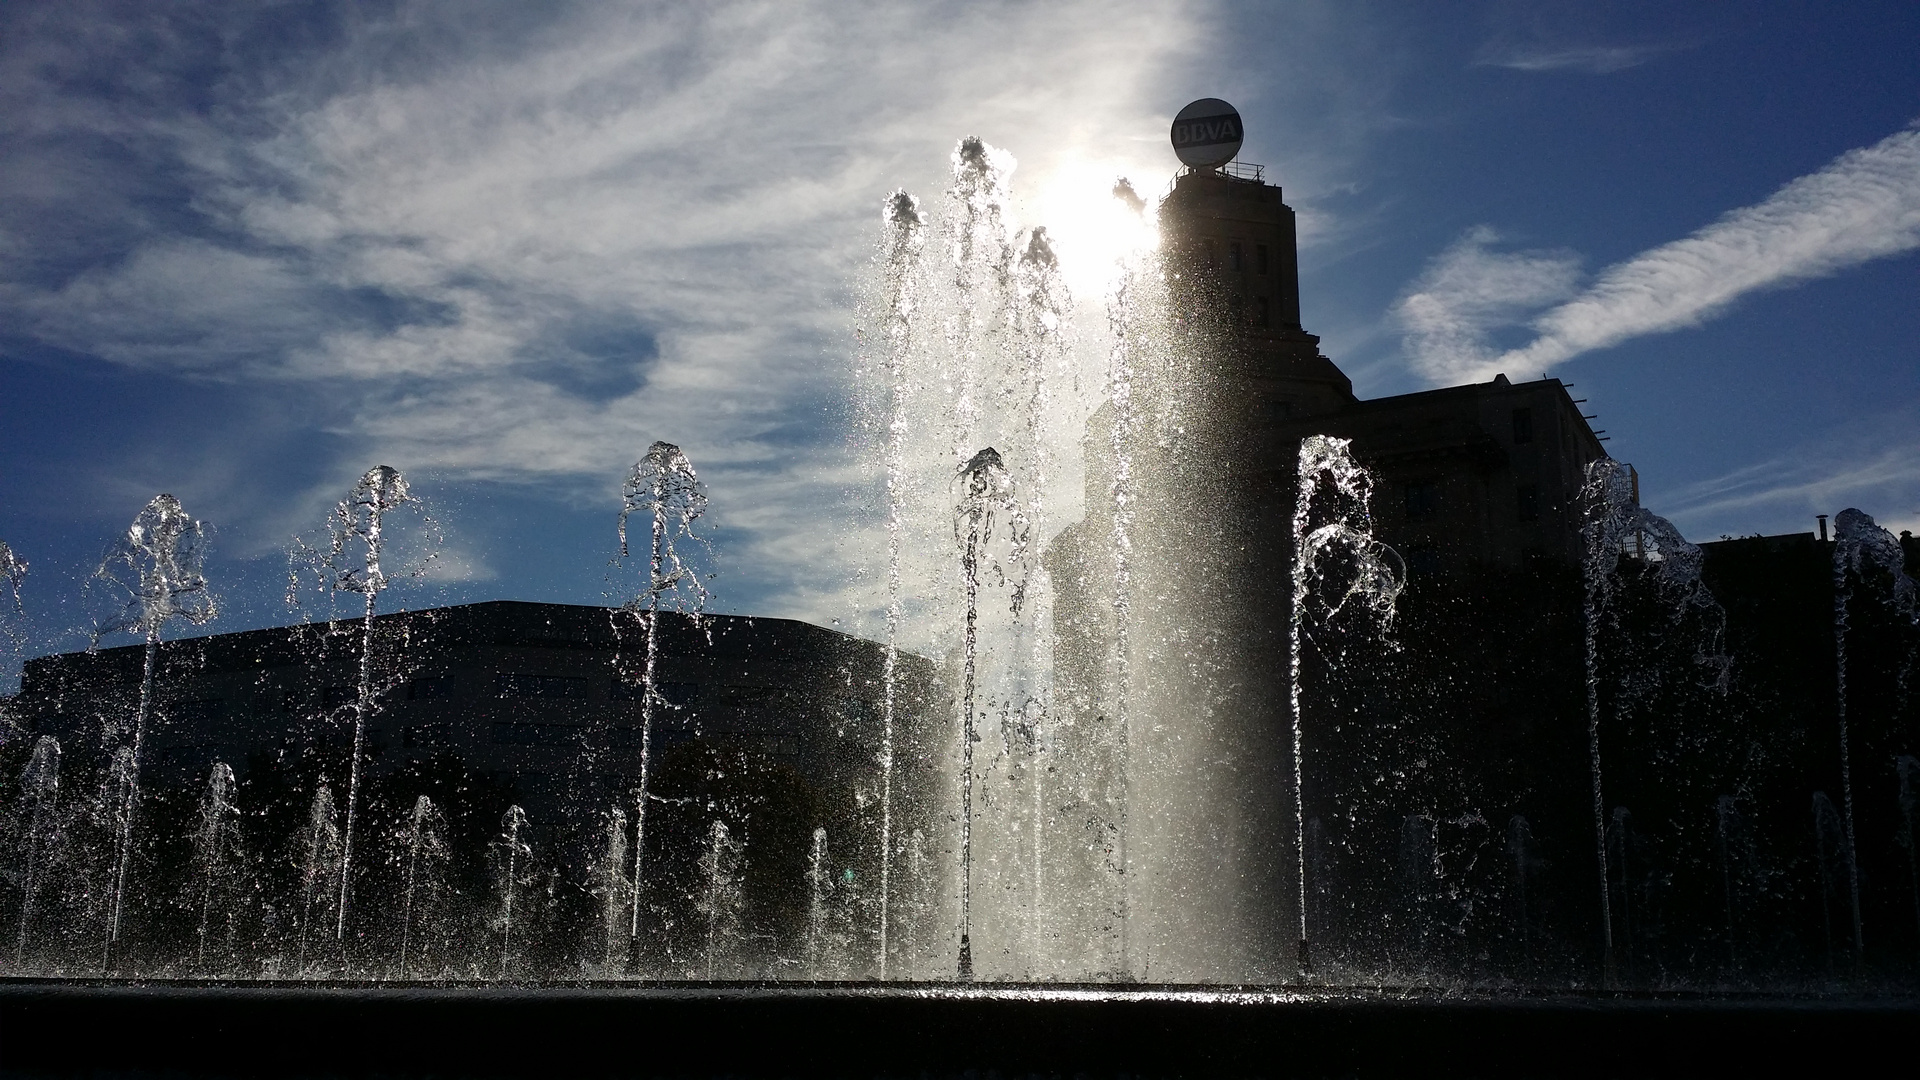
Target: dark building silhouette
<point>1456,741</point>
<point>769,727</point>
<point>1487,473</point>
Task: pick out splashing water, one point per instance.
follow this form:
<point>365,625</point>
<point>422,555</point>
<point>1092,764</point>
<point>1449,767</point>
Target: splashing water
<point>1859,545</point>
<point>219,858</point>
<point>39,817</point>
<point>819,880</point>
<point>720,894</point>
<point>1615,527</point>
<point>512,859</point>
<point>359,521</point>
<point>13,572</point>
<point>987,499</point>
<point>150,578</point>
<point>1040,316</point>
<point>319,864</point>
<point>1121,316</point>
<point>899,259</point>
<point>428,857</point>
<point>663,488</point>
<point>1329,479</point>
<point>612,887</point>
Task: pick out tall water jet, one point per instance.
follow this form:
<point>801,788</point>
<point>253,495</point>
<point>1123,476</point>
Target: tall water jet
<point>39,817</point>
<point>427,860</point>
<point>899,261</point>
<point>219,859</point>
<point>1615,527</point>
<point>719,900</point>
<point>1121,315</point>
<point>151,577</point>
<point>1040,321</point>
<point>612,887</point>
<point>320,861</point>
<point>512,856</point>
<point>819,880</point>
<point>360,521</point>
<point>987,499</point>
<point>1859,545</point>
<point>663,488</point>
<point>1335,489</point>
<point>13,572</point>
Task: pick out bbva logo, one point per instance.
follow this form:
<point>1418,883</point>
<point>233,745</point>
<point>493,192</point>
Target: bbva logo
<point>1206,130</point>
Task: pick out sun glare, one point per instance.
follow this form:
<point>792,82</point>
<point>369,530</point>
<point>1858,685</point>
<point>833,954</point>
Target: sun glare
<point>1093,231</point>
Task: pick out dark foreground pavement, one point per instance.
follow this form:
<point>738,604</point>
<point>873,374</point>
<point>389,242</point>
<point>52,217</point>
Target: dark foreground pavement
<point>51,1028</point>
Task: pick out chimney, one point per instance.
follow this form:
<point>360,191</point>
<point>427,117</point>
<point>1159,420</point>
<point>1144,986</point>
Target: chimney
<point>1823,527</point>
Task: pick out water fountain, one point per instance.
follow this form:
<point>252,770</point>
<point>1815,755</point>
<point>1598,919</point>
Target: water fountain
<point>39,829</point>
<point>427,858</point>
<point>1173,736</point>
<point>219,862</point>
<point>665,489</point>
<point>359,522</point>
<point>150,579</point>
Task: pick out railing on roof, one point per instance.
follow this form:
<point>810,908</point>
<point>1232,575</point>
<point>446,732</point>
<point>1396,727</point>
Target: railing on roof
<point>1232,170</point>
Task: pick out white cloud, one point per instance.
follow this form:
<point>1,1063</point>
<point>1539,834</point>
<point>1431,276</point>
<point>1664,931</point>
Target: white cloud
<point>418,222</point>
<point>1470,291</point>
<point>1587,59</point>
<point>1864,205</point>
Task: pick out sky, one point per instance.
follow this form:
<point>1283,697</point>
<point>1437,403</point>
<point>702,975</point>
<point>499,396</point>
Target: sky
<point>250,250</point>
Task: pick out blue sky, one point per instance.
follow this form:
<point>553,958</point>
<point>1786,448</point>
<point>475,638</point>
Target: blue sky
<point>249,250</point>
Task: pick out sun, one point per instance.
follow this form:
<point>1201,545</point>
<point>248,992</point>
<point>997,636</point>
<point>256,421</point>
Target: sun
<point>1093,232</point>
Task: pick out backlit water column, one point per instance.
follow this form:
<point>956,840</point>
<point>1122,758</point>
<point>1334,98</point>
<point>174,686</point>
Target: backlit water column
<point>356,561</point>
<point>153,576</point>
<point>987,501</point>
<point>664,489</point>
<point>1337,491</point>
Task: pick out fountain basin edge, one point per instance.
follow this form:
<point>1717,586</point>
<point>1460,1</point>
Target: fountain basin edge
<point>70,1027</point>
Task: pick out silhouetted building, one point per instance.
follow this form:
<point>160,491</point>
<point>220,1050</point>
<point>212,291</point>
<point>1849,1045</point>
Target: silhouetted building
<point>1486,473</point>
<point>767,728</point>
<point>542,697</point>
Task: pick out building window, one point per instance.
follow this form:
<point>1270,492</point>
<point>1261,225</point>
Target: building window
<point>1260,257</point>
<point>519,684</point>
<point>1278,411</point>
<point>1265,312</point>
<point>1528,502</point>
<point>1523,425</point>
<point>1423,499</point>
<point>1234,262</point>
<point>335,696</point>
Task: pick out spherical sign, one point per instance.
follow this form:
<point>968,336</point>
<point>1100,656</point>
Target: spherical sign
<point>1207,134</point>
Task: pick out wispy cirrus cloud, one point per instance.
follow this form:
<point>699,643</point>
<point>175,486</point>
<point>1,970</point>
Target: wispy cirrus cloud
<point>1472,290</point>
<point>1585,59</point>
<point>1865,205</point>
<point>1873,464</point>
<point>501,243</point>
